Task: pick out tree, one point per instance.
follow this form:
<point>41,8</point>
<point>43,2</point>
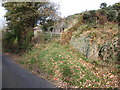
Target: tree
<point>103,5</point>
<point>23,16</point>
<point>49,23</point>
<point>116,6</point>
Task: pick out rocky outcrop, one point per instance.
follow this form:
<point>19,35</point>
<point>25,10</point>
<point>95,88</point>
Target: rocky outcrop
<point>85,45</point>
<point>109,50</point>
<point>96,44</point>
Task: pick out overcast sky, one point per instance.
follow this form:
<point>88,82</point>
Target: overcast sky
<point>70,7</point>
<point>2,13</point>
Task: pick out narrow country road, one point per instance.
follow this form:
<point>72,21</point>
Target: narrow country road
<point>14,76</point>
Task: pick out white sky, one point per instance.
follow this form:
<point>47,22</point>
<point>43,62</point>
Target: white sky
<point>70,7</point>
<point>2,13</point>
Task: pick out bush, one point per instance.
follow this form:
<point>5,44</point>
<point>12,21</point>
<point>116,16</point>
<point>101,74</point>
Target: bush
<point>89,17</point>
<point>102,19</point>
<point>111,15</point>
<point>10,41</point>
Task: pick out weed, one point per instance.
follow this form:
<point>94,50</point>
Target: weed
<point>95,63</point>
<point>21,62</point>
<point>83,68</point>
<point>32,61</point>
<point>118,66</point>
<point>83,80</point>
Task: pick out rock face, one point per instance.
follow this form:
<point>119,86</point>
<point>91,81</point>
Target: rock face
<point>109,50</point>
<point>97,44</point>
<point>85,45</point>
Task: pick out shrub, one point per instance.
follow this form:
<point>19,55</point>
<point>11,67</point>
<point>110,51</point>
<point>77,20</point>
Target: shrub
<point>111,15</point>
<point>102,19</point>
<point>89,17</point>
<point>10,41</point>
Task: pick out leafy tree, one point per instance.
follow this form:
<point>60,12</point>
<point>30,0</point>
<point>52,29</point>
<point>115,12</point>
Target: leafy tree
<point>49,23</point>
<point>116,6</point>
<point>21,18</point>
<point>111,12</point>
<point>103,5</point>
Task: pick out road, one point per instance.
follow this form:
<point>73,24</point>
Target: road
<point>14,76</point>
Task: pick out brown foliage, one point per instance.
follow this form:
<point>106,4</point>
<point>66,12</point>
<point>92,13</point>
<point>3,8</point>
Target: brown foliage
<point>102,19</point>
<point>65,37</point>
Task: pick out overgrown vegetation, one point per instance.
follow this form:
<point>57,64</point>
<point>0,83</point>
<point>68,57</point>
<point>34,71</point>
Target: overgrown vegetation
<point>64,64</point>
<point>57,58</point>
<point>90,21</point>
<point>106,13</point>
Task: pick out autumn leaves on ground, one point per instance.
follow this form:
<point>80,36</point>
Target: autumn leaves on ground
<point>66,67</point>
<point>83,55</point>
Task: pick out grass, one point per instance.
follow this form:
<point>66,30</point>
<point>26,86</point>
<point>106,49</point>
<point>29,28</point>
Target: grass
<point>62,63</point>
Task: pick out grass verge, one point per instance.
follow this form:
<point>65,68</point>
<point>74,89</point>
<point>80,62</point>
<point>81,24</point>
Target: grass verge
<point>63,63</point>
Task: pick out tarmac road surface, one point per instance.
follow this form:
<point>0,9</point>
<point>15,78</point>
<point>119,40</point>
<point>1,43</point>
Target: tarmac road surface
<point>14,76</point>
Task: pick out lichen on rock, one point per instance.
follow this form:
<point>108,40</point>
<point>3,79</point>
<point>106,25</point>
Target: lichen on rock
<point>97,44</point>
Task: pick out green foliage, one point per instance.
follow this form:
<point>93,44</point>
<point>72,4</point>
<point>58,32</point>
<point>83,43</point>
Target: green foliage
<point>62,62</point>
<point>20,20</point>
<point>21,62</point>
<point>103,5</point>
<point>106,11</point>
<point>32,61</point>
<point>10,41</point>
<point>87,17</point>
<point>90,17</point>
<point>111,12</point>
<point>116,6</point>
<point>49,23</point>
<point>111,15</point>
<point>22,17</point>
<point>47,37</point>
<point>118,17</point>
<point>54,57</point>
<point>102,12</point>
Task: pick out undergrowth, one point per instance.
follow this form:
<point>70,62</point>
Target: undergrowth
<point>63,63</point>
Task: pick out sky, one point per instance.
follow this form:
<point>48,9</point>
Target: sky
<point>2,19</point>
<point>70,7</point>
